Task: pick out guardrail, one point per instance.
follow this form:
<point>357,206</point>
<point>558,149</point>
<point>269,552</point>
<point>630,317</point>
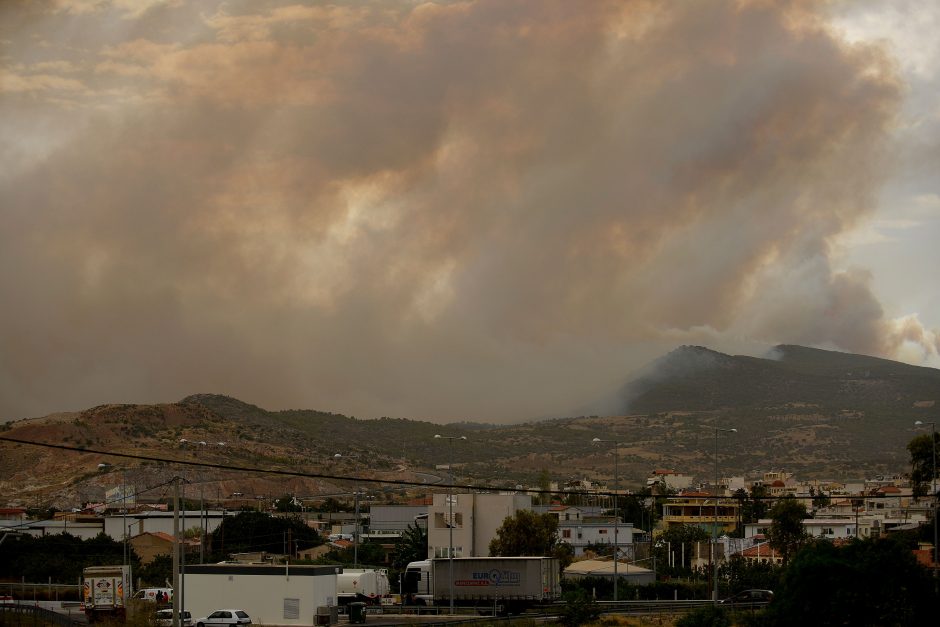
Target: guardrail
<point>30,614</point>
<point>670,606</point>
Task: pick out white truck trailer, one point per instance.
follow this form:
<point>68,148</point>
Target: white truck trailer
<point>105,591</point>
<point>512,582</point>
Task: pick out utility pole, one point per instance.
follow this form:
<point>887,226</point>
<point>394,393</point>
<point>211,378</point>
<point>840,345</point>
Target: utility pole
<point>176,552</point>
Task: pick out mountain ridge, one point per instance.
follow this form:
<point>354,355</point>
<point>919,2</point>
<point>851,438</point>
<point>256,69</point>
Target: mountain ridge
<point>809,411</point>
<point>701,379</point>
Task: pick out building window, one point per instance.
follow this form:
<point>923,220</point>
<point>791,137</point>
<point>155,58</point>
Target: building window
<point>602,532</point>
<point>566,533</point>
<point>441,520</point>
<point>442,551</point>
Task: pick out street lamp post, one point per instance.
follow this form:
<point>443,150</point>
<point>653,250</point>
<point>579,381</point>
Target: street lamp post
<point>715,528</point>
<point>933,480</point>
<point>615,446</point>
<point>450,504</point>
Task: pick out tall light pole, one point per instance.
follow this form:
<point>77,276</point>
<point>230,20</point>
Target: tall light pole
<point>715,528</point>
<point>450,504</point>
<point>933,481</point>
<point>615,446</point>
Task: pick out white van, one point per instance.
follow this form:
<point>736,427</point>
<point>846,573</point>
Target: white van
<point>150,594</point>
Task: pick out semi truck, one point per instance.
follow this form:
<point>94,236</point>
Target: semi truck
<point>105,591</point>
<point>514,583</point>
<point>359,584</point>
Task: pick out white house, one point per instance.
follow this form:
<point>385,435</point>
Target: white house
<point>827,528</point>
<point>581,534</point>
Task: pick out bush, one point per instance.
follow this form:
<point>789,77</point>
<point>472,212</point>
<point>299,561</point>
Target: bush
<point>579,609</point>
<point>707,616</point>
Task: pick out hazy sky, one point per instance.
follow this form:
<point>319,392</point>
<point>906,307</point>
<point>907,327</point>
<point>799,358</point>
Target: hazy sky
<point>488,210</point>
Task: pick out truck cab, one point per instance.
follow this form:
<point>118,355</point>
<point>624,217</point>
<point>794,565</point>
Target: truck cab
<point>418,588</point>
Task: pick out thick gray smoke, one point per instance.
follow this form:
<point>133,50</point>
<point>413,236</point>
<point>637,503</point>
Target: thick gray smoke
<point>470,210</point>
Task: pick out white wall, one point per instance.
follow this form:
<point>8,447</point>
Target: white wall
<point>154,522</point>
<point>259,590</point>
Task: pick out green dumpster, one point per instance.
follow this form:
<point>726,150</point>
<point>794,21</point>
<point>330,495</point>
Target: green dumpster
<point>357,612</point>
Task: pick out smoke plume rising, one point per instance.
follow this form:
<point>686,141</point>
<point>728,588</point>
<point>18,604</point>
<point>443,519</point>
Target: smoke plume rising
<point>472,210</point>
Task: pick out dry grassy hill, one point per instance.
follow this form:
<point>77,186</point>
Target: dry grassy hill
<point>815,413</point>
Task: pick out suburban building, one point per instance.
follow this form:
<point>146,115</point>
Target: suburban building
<point>162,522</point>
<point>596,531</point>
<point>473,518</point>
<point>699,509</point>
<point>82,526</point>
<point>761,552</point>
<point>825,528</point>
<point>149,545</point>
<point>270,594</point>
<point>669,479</point>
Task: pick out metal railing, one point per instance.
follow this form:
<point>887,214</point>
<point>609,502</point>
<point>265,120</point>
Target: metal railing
<point>29,614</point>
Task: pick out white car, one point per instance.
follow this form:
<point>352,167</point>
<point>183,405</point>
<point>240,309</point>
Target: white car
<point>224,618</point>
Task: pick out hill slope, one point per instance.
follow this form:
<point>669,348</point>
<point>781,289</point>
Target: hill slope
<point>815,413</point>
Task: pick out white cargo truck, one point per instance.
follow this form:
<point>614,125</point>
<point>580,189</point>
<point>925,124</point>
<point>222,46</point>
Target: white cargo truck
<point>514,583</point>
<point>105,591</point>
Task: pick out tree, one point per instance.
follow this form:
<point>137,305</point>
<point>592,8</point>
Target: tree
<point>786,533</point>
<point>678,540</point>
<point>820,499</point>
<point>157,572</point>
<point>544,483</point>
<point>331,505</point>
<point>411,547</point>
<point>58,558</point>
<point>250,531</point>
<point>753,506</point>
<point>866,582</point>
<point>742,574</point>
<point>368,553</point>
<point>287,503</point>
<point>579,609</point>
<point>526,534</point>
<point>922,462</point>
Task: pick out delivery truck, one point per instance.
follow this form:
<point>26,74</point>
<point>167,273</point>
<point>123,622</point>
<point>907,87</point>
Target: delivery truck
<point>514,583</point>
<point>360,584</point>
<point>105,591</point>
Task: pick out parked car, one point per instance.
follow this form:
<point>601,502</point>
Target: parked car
<point>164,618</point>
<point>224,618</point>
<point>750,597</point>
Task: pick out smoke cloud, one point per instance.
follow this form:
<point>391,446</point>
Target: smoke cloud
<point>471,210</point>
